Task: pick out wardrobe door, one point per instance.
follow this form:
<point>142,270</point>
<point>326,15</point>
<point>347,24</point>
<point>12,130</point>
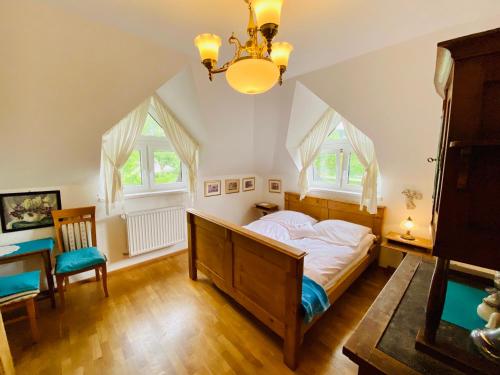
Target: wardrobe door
<point>469,204</point>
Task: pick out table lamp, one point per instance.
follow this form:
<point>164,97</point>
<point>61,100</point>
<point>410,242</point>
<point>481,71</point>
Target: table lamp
<point>407,225</point>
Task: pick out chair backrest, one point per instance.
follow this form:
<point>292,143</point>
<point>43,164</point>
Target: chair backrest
<point>75,228</point>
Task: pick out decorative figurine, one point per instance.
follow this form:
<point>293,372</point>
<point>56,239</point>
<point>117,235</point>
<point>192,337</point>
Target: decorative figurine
<point>490,304</point>
<point>494,321</point>
<point>487,340</point>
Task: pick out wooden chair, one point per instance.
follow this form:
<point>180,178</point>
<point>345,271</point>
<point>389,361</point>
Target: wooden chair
<point>76,239</point>
<point>18,291</point>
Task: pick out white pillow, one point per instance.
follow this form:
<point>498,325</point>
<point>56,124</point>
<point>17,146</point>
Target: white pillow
<point>269,229</point>
<point>299,231</point>
<point>339,232</point>
<point>289,218</point>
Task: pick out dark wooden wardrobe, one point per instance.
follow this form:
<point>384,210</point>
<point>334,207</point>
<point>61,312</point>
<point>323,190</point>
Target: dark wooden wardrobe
<point>466,210</point>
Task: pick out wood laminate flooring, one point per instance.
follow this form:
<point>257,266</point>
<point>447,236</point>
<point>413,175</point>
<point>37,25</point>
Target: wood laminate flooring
<point>157,321</point>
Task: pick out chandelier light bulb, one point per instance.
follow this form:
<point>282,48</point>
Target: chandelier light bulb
<point>267,11</point>
<point>281,53</point>
<point>208,46</point>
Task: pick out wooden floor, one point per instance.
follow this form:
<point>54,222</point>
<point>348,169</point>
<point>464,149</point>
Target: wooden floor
<point>158,321</point>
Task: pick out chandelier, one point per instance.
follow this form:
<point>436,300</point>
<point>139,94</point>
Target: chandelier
<point>256,65</point>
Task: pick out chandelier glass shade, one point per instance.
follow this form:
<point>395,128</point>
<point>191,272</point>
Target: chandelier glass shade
<point>252,76</point>
<point>257,65</point>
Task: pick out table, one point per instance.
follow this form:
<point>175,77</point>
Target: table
<point>384,341</point>
<point>266,208</point>
<point>419,246</point>
<point>41,247</point>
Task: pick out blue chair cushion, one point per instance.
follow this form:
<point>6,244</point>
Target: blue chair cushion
<point>23,282</point>
<point>80,259</point>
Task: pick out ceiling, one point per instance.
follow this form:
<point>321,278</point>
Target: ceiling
<point>322,31</point>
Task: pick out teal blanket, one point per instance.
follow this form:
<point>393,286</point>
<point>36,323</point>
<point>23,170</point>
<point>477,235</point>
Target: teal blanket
<point>314,299</point>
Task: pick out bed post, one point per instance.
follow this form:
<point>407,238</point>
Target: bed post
<point>293,318</point>
<point>193,274</point>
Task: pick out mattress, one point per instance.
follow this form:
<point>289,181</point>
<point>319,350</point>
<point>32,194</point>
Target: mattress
<point>324,263</point>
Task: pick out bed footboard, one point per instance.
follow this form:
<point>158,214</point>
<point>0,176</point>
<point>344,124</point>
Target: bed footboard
<point>261,274</point>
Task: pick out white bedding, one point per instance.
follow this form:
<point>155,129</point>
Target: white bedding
<point>325,262</point>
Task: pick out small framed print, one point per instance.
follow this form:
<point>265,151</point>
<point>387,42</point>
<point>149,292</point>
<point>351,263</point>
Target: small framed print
<point>212,188</point>
<point>29,210</point>
<point>248,183</point>
<point>232,186</point>
<point>275,186</point>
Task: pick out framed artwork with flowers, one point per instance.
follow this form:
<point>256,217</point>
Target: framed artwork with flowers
<point>29,210</point>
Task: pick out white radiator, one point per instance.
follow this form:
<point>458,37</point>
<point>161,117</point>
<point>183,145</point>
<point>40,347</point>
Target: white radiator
<point>155,229</point>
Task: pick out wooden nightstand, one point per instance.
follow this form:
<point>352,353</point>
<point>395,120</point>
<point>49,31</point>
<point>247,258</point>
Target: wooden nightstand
<point>419,246</point>
<point>266,208</point>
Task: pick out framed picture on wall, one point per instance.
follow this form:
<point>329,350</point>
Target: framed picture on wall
<point>275,186</point>
<point>248,183</point>
<point>30,210</point>
<point>232,186</point>
<point>212,188</point>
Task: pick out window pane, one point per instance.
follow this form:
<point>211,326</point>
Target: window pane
<point>151,128</point>
<point>356,170</point>
<point>325,168</point>
<point>338,133</point>
<point>131,171</point>
<point>167,167</point>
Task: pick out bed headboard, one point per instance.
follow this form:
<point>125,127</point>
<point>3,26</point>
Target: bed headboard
<point>324,209</point>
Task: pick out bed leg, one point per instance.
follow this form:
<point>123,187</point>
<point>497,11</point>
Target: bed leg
<point>291,348</point>
<point>193,272</point>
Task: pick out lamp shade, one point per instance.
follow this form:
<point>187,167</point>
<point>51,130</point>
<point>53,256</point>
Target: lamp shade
<point>408,224</point>
<point>252,75</point>
<point>281,52</point>
<point>267,11</point>
<point>208,46</point>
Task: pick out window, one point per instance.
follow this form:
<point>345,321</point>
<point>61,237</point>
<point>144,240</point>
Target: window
<point>337,166</point>
<point>153,165</point>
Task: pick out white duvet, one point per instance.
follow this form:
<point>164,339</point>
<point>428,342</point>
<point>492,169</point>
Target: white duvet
<point>325,262</point>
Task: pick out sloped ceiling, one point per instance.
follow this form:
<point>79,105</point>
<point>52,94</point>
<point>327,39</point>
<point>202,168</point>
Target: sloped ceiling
<point>323,31</point>
<point>64,81</point>
<point>307,109</point>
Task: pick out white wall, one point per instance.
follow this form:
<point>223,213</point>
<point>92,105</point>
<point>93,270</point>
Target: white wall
<point>389,95</point>
<point>66,81</point>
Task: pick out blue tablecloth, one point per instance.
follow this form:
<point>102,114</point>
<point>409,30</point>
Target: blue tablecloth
<point>32,246</point>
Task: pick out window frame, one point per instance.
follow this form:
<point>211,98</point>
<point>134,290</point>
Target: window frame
<point>343,149</point>
<point>147,145</point>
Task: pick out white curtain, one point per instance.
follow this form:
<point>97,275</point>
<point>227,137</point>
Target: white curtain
<point>311,144</point>
<point>365,151</point>
<point>184,145</point>
<point>117,145</point>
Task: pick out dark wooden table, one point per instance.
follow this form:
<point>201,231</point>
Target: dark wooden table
<point>384,341</point>
<point>45,252</point>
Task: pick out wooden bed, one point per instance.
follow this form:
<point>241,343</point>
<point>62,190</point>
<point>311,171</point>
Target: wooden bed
<point>264,275</point>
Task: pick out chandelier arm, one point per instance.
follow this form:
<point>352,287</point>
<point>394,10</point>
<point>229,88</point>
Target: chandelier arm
<point>237,54</point>
<point>237,45</point>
